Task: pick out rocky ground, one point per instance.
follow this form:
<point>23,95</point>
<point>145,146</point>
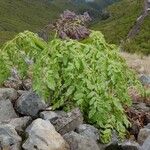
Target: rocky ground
<point>27,122</point>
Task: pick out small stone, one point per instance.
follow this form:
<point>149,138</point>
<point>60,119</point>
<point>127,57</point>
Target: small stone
<point>62,113</point>
<point>146,144</point>
<point>79,142</point>
<point>69,122</point>
<point>147,118</point>
<point>88,131</point>
<point>27,84</point>
<point>143,134</point>
<point>129,145</point>
<point>126,145</point>
<point>142,107</point>
<point>20,123</point>
<point>145,79</point>
<point>6,110</point>
<point>29,104</point>
<point>43,136</point>
<point>9,139</point>
<point>49,109</point>
<point>8,93</point>
<point>135,128</point>
<point>20,92</point>
<point>49,115</point>
<point>147,126</point>
<point>14,83</point>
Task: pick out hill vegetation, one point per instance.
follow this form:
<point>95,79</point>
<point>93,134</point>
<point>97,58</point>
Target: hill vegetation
<point>19,15</point>
<point>141,43</point>
<point>123,16</point>
<point>115,23</point>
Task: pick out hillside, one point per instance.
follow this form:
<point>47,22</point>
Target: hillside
<point>115,23</point>
<point>123,17</point>
<point>19,15</point>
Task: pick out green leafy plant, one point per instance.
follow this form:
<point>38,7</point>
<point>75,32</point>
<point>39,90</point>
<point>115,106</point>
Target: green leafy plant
<point>20,53</point>
<point>88,74</point>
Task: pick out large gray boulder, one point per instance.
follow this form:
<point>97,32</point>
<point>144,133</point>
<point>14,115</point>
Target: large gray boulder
<point>79,142</point>
<point>43,136</point>
<point>6,110</point>
<point>8,93</point>
<point>9,139</point>
<point>143,135</point>
<point>88,131</point>
<point>29,104</point>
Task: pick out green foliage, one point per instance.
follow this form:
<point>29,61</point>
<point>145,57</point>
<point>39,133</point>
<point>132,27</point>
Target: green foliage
<point>19,15</point>
<point>123,16</point>
<point>19,53</point>
<point>141,43</point>
<point>4,67</point>
<point>89,74</point>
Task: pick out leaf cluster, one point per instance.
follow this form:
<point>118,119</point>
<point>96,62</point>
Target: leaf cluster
<point>19,53</point>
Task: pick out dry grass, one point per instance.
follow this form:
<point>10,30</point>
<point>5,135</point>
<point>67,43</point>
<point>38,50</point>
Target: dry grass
<point>139,63</point>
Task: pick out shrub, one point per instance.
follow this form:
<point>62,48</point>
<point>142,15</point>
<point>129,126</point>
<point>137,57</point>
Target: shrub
<point>88,74</point>
<point>19,53</point>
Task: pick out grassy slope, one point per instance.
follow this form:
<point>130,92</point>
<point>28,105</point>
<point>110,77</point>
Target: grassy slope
<point>123,17</point>
<point>141,43</point>
<point>20,15</point>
